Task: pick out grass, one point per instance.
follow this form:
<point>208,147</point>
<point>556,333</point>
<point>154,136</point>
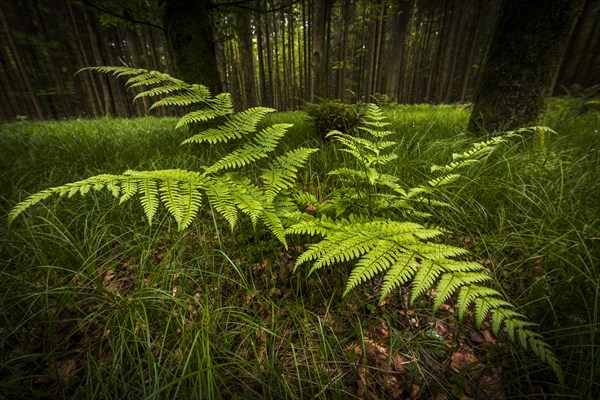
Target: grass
<point>96,304</point>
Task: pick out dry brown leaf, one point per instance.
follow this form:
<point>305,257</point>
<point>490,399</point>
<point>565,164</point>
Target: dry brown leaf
<point>66,369</point>
<point>476,337</point>
<point>489,336</point>
<point>398,363</point>
<point>491,385</point>
<point>462,359</point>
<point>393,388</point>
<point>415,390</point>
<point>441,328</point>
<point>108,277</point>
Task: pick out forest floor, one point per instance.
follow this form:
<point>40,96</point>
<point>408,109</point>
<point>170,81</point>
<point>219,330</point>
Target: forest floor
<point>94,303</point>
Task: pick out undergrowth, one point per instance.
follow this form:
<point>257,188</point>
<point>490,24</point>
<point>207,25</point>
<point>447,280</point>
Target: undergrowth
<point>98,303</point>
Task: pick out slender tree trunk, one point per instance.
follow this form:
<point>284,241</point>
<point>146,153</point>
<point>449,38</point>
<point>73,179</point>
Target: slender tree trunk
<point>247,59</point>
<point>587,61</point>
<point>395,59</point>
<point>104,81</point>
<point>404,90</point>
<point>277,68</point>
<point>570,70</point>
<point>264,94</point>
<point>318,49</point>
<point>471,46</point>
<point>98,107</point>
<point>522,63</point>
<point>456,53</point>
<point>343,56</point>
<point>271,88</point>
<point>23,72</point>
<point>293,61</point>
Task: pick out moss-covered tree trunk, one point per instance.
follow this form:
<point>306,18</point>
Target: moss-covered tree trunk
<point>522,63</point>
<point>190,39</point>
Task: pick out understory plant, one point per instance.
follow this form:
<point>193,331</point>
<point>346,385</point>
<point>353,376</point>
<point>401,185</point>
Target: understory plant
<point>372,221</point>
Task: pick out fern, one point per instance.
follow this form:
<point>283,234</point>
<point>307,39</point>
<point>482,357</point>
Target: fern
<point>406,253</point>
<point>281,172</point>
<point>183,193</point>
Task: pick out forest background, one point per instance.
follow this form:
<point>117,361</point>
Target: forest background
<point>96,301</point>
<point>426,51</point>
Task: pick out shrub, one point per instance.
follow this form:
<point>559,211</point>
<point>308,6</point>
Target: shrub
<point>329,115</point>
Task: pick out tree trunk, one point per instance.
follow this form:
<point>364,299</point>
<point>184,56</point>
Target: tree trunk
<point>93,92</point>
<point>23,72</point>
<point>318,49</point>
<point>470,44</point>
<point>99,60</point>
<point>264,94</point>
<point>190,39</point>
<point>522,64</point>
<point>399,22</point>
<point>247,59</point>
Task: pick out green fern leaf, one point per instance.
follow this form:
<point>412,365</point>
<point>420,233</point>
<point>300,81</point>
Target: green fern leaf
<point>400,272</point>
<point>218,192</point>
<point>201,116</point>
<point>149,199</point>
<point>273,222</point>
<point>192,95</point>
<point>264,143</point>
<point>468,294</point>
<point>378,259</point>
<point>281,172</point>
<point>427,273</point>
<point>237,125</point>
<point>449,282</point>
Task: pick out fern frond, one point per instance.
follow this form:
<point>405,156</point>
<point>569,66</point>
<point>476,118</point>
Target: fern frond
<point>449,282</point>
<point>178,191</point>
<point>427,273</point>
<point>400,272</point>
<point>158,91</point>
<point>218,192</point>
<point>349,172</point>
<point>202,116</point>
<point>468,294</point>
<point>485,304</point>
<point>378,259</point>
<point>191,95</point>
<point>264,143</point>
<point>247,197</point>
<point>235,127</point>
<point>115,70</point>
<point>443,180</point>
<point>436,251</point>
<point>273,222</point>
<point>312,226</point>
<point>281,172</point>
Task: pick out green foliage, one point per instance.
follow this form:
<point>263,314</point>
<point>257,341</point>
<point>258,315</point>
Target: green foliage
<point>184,192</point>
<point>328,115</point>
<point>206,107</point>
<point>407,252</point>
<point>374,212</point>
<point>531,217</point>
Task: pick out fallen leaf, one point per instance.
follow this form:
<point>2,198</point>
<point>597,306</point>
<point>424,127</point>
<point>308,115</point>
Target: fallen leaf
<point>66,369</point>
<point>462,359</point>
<point>398,363</point>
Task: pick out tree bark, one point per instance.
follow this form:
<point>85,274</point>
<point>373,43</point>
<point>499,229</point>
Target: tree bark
<point>247,59</point>
<point>318,49</point>
<point>190,40</point>
<point>523,61</point>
